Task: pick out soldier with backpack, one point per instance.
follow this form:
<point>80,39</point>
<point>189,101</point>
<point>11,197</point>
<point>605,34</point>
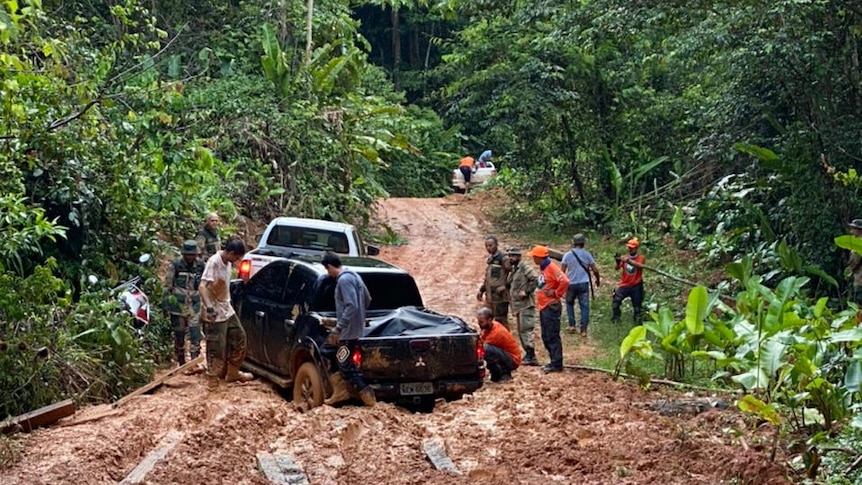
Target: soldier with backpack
<point>580,266</point>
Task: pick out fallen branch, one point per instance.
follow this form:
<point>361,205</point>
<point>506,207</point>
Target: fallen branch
<point>158,382</point>
<point>139,473</point>
<point>94,417</point>
<point>664,382</point>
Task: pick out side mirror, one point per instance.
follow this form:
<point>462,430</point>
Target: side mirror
<point>373,250</point>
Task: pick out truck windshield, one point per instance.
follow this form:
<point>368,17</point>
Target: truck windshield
<point>388,292</point>
<point>305,238</point>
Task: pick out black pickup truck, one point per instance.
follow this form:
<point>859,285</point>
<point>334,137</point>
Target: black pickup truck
<point>408,354</point>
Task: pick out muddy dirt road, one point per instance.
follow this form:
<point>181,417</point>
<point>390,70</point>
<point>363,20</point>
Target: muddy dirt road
<point>573,427</point>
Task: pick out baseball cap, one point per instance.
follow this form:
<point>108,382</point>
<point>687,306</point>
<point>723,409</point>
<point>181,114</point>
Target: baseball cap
<point>539,252</point>
<point>633,243</point>
<point>190,247</point>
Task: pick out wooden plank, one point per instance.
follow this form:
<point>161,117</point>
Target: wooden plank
<point>158,382</point>
<point>139,473</point>
<point>41,417</point>
<point>436,452</point>
<point>281,469</point>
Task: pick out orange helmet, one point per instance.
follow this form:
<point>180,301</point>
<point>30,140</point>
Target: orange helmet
<point>633,243</point>
<point>539,252</point>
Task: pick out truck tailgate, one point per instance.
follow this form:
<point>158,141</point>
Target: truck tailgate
<point>419,358</point>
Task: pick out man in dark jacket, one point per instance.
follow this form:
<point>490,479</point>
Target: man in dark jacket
<point>351,300</point>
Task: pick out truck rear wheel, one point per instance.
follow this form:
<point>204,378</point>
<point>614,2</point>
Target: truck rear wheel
<point>308,387</point>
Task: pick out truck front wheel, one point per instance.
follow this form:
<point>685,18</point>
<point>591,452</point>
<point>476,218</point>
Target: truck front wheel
<point>308,387</point>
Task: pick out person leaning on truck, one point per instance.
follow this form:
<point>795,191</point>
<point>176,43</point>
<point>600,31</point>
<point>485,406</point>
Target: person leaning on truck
<point>494,288</point>
<point>351,300</point>
<point>226,339</point>
<point>183,302</point>
<point>522,288</point>
<point>207,238</point>
<point>466,168</point>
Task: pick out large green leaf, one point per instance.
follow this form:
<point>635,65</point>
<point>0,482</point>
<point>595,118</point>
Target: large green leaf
<point>695,310</point>
<point>772,356</point>
<point>753,405</point>
<point>853,376</point>
<point>635,335</point>
<point>852,335</point>
<point>752,379</point>
<point>849,242</point>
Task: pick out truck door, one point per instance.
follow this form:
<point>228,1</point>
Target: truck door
<point>263,300</point>
<point>282,336</point>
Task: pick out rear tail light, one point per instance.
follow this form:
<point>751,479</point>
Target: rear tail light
<point>244,269</point>
<point>142,314</point>
<point>356,357</point>
<point>480,351</point>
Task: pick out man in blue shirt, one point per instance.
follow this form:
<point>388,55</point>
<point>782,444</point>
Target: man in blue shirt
<point>578,264</point>
<point>351,300</point>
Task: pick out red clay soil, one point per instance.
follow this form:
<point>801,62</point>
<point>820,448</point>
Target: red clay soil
<point>573,427</point>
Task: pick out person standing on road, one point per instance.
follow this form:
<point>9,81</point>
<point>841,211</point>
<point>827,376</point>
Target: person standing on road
<point>631,283</point>
<point>183,301</point>
<point>207,237</point>
<point>579,266</point>
<point>855,264</point>
<point>226,339</point>
<point>494,289</point>
<point>466,168</point>
<point>522,286</point>
<point>351,300</point>
<point>552,286</point>
<point>501,351</point>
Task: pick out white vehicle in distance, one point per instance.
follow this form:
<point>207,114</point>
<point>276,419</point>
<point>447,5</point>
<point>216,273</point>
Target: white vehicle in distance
<point>481,174</point>
<point>285,237</point>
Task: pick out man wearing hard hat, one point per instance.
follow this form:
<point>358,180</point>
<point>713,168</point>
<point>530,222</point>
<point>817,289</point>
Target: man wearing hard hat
<point>632,282</point>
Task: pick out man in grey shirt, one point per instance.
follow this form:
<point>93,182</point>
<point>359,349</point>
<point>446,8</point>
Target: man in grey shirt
<point>351,300</point>
<point>578,263</point>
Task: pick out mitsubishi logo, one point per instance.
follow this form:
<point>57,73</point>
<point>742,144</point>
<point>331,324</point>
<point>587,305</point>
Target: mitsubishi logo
<point>420,362</point>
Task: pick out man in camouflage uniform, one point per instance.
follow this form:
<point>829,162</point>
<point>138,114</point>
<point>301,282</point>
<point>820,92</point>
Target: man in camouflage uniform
<point>183,302</point>
<point>208,238</point>
<point>494,289</point>
<point>522,286</point>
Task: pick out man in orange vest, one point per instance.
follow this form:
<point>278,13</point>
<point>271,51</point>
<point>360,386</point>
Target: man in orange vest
<point>631,283</point>
<point>466,168</point>
<point>502,354</point>
<point>552,287</point>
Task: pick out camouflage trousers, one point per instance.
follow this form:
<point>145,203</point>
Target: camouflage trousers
<point>500,310</point>
<point>181,326</point>
<point>226,346</point>
<point>526,319</point>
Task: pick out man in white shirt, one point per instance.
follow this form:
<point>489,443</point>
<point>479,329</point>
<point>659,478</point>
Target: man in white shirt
<point>225,337</point>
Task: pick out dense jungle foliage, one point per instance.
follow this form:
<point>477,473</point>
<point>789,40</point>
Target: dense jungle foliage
<point>730,127</point>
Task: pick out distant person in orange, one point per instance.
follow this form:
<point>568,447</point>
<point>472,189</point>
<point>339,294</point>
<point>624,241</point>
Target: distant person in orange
<point>466,168</point>
<point>632,281</point>
<point>502,354</point>
<point>552,287</point>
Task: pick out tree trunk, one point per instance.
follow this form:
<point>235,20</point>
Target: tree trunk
<point>576,177</point>
<point>396,48</point>
<point>308,26</point>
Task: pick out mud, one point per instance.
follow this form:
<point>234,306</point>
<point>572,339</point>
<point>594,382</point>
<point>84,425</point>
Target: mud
<point>570,428</point>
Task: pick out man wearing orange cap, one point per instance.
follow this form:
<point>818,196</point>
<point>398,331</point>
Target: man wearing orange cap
<point>632,281</point>
<point>552,287</point>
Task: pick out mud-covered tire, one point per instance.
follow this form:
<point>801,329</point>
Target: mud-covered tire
<point>308,389</point>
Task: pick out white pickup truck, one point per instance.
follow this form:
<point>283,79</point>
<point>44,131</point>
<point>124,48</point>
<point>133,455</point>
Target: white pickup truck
<point>292,236</point>
<point>481,174</point>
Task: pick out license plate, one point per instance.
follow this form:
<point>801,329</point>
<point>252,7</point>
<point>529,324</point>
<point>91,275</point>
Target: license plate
<point>417,388</point>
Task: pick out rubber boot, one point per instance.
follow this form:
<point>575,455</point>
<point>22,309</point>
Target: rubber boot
<point>236,375</point>
<point>530,358</point>
<point>340,392</point>
<point>367,396</point>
